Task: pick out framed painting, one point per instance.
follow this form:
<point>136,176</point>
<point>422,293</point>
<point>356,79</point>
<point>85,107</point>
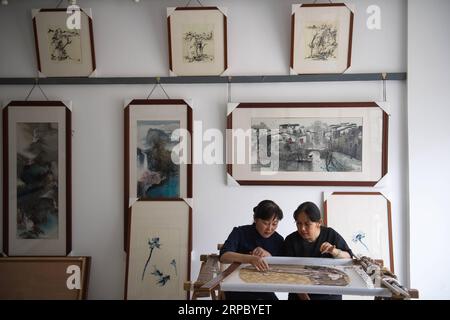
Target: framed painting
<point>329,143</point>
<point>158,260</point>
<point>197,41</point>
<point>158,151</point>
<point>363,219</point>
<point>64,41</point>
<point>44,278</point>
<point>37,178</point>
<point>321,38</point>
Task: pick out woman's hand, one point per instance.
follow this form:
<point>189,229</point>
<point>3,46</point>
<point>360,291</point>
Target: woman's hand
<point>259,263</point>
<point>260,252</point>
<point>327,247</point>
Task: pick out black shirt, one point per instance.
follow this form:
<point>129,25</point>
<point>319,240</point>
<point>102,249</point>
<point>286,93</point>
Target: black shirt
<point>245,239</point>
<point>296,246</point>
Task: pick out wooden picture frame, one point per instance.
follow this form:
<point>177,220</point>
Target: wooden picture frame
<point>60,51</point>
<point>150,170</point>
<point>321,38</point>
<point>364,220</point>
<point>159,250</point>
<point>37,201</point>
<point>44,278</point>
<point>197,41</point>
<point>314,143</point>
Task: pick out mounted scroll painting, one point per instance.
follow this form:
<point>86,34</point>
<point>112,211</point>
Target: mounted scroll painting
<point>158,261</point>
<point>197,41</point>
<point>64,42</point>
<point>157,150</point>
<point>364,221</point>
<point>37,173</point>
<point>306,143</point>
<point>321,38</point>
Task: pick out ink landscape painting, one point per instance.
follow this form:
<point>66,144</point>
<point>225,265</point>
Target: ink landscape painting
<point>37,180</point>
<point>198,43</point>
<point>307,144</point>
<point>321,41</point>
<point>64,45</point>
<point>157,175</point>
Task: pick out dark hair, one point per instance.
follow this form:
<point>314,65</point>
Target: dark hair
<point>310,209</point>
<point>267,209</point>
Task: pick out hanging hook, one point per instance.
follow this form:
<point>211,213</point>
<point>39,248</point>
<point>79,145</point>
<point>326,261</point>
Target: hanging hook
<point>29,93</point>
<point>158,83</point>
<point>197,2</point>
<point>36,83</point>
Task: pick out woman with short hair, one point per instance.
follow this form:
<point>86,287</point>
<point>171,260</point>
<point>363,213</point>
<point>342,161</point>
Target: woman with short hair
<point>252,243</point>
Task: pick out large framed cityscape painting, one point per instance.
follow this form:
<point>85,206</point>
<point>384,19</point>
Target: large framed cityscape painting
<point>330,143</point>
<point>37,178</point>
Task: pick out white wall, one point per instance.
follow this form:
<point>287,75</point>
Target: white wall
<point>429,145</point>
<point>131,40</point>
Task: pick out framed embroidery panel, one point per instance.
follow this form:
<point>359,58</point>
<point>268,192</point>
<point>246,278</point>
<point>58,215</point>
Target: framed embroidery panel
<point>321,38</point>
<point>44,278</point>
<point>303,275</point>
<point>197,41</point>
<point>158,151</point>
<point>37,178</point>
<point>64,41</point>
<point>363,219</point>
<point>329,143</point>
<point>159,250</point>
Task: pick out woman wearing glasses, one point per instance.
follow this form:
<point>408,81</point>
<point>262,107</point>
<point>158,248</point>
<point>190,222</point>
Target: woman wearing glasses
<point>314,240</point>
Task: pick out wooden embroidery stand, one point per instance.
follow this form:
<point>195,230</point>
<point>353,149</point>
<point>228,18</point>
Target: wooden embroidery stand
<point>208,270</point>
<point>389,288</point>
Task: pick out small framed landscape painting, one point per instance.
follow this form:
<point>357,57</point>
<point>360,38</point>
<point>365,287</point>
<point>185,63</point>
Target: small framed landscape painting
<point>321,38</point>
<point>64,41</point>
<point>197,41</point>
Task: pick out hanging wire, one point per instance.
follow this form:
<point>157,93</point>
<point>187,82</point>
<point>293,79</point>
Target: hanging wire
<point>158,83</point>
<point>383,75</point>
<point>316,1</point>
<point>197,2</point>
<point>69,3</point>
<point>36,83</point>
<point>229,89</point>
